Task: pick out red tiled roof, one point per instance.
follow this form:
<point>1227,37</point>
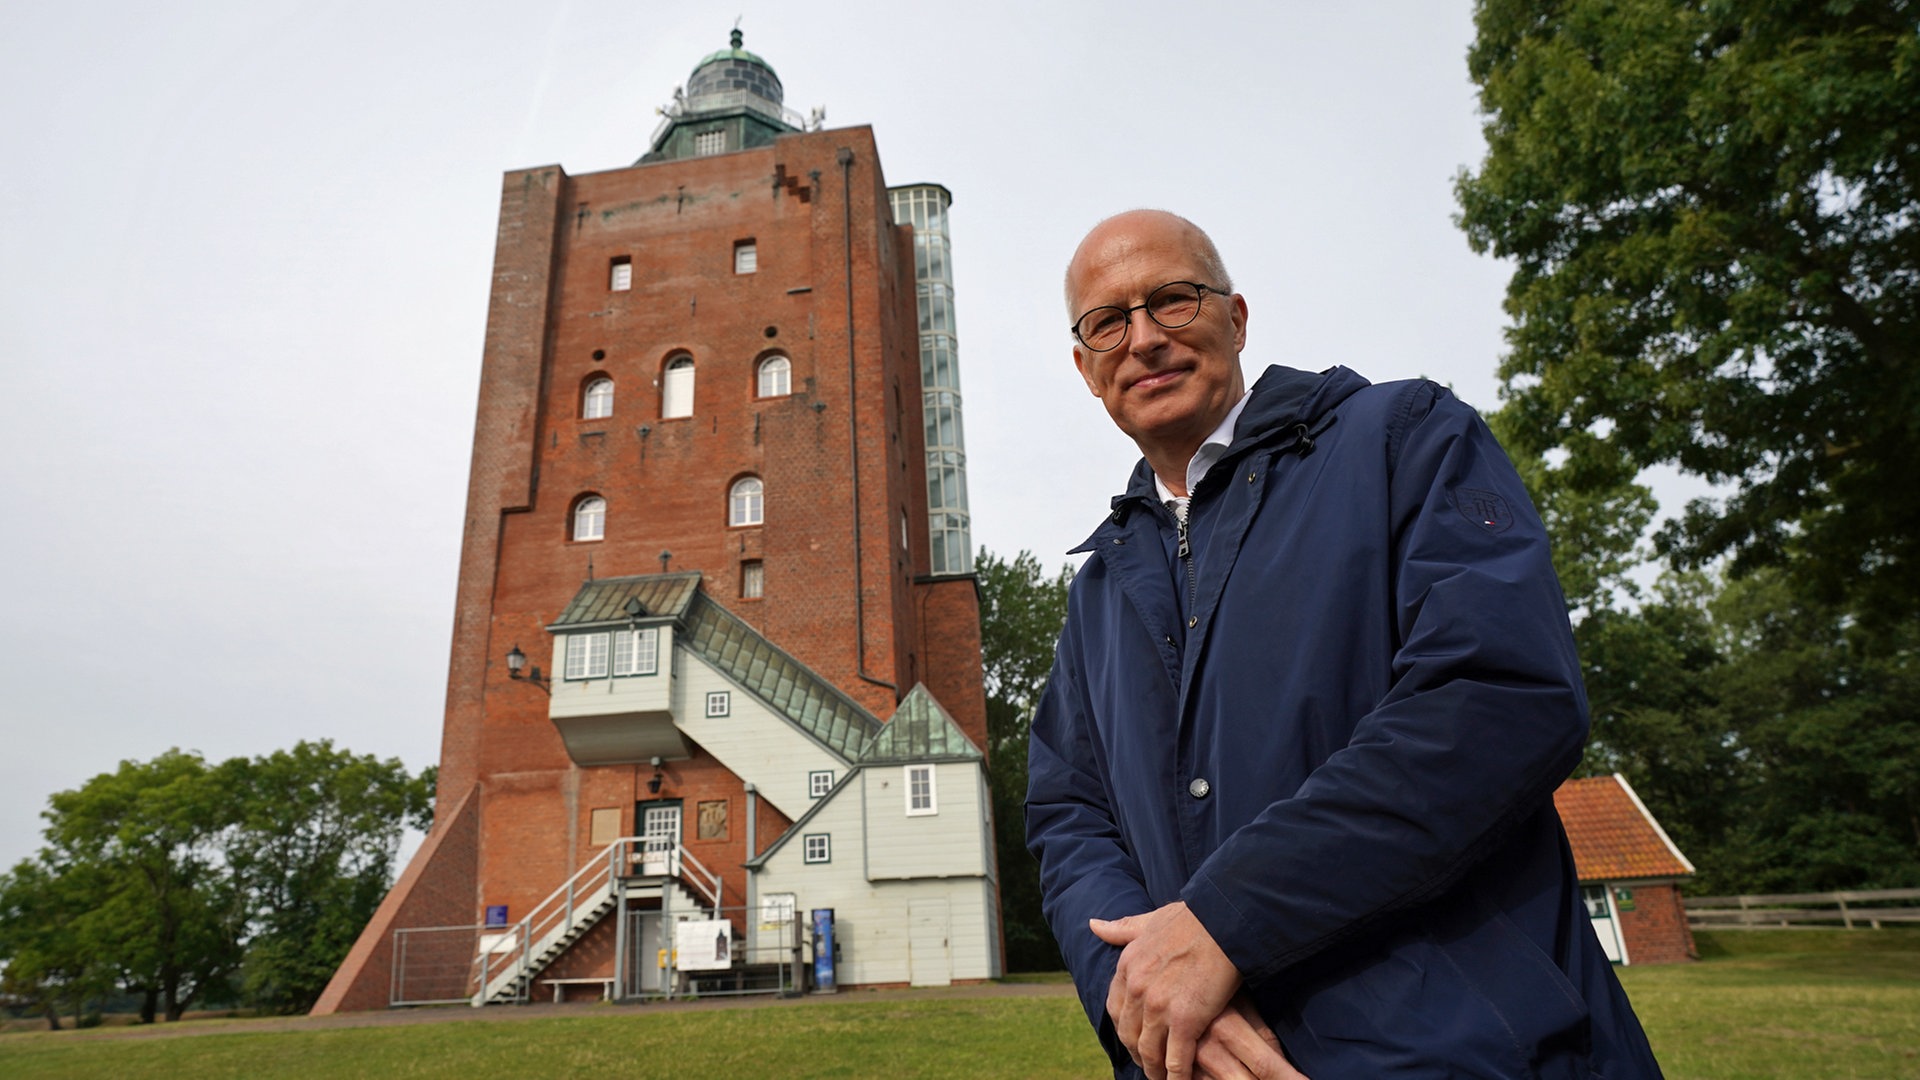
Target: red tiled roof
<point>1613,836</point>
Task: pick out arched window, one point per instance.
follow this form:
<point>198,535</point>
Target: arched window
<point>744,505</point>
<point>597,402</point>
<point>676,390</point>
<point>776,377</point>
<point>590,518</point>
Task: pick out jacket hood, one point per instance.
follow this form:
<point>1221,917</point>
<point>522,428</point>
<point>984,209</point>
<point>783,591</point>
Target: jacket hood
<point>1283,399</point>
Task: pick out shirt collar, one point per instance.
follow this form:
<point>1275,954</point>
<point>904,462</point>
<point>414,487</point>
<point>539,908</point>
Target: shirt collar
<point>1210,451</point>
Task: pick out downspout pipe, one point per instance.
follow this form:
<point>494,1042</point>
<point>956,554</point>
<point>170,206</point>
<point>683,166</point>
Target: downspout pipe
<point>845,158</point>
<point>753,850</point>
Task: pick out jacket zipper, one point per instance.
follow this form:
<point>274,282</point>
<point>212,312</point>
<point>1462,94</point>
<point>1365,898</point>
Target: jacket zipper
<point>1186,556</point>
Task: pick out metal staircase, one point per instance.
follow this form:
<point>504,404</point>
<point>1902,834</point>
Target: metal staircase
<point>509,958</point>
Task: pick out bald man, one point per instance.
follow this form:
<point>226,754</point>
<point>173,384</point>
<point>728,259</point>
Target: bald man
<point>1292,776</point>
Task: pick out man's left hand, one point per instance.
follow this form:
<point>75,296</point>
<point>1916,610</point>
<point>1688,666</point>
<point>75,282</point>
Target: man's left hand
<point>1172,980</point>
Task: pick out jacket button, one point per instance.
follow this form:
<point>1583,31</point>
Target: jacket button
<point>1193,621</point>
<point>1199,788</point>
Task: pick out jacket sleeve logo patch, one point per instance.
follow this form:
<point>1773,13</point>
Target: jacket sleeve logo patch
<point>1483,508</point>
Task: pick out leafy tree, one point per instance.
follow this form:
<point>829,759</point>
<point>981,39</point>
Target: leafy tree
<point>176,878</point>
<point>42,936</point>
<point>1712,214</point>
<point>315,848</point>
<point>1771,733</point>
<point>1656,716</point>
<point>1822,707</point>
<point>168,911</point>
<point>1021,613</point>
<point>1596,525</point>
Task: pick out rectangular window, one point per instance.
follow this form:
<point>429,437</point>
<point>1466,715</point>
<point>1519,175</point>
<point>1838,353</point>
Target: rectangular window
<point>713,820</point>
<point>746,258</point>
<point>586,656</point>
<point>819,782</point>
<point>636,652</point>
<point>818,848</point>
<point>753,579</point>
<point>709,142</point>
<point>620,274</point>
<point>920,795</point>
<point>718,703</point>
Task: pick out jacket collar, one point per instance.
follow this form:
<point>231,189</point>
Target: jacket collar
<point>1283,401</point>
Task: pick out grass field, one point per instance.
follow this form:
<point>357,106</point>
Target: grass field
<point>1761,1004</point>
<point>1764,1004</point>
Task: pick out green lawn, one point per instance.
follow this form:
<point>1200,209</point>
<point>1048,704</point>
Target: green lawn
<point>1762,1004</point>
<point>1814,1004</point>
<point>1012,1037</point>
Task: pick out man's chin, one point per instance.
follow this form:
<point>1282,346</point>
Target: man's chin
<point>1165,423</point>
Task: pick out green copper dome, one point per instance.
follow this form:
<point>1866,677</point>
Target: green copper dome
<point>732,101</point>
<point>735,69</point>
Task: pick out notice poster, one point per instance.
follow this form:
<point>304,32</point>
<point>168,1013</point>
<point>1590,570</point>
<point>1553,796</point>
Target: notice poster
<point>776,911</point>
<point>704,944</point>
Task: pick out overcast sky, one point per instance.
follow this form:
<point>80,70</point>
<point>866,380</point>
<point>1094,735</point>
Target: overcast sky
<point>245,253</point>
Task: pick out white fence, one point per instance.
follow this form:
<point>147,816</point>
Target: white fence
<point>1860,909</point>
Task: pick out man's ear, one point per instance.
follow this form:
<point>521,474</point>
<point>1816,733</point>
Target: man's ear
<point>1080,365</point>
<point>1237,310</point>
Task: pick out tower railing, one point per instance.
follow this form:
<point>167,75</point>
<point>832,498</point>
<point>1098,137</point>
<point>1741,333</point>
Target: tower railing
<point>723,101</point>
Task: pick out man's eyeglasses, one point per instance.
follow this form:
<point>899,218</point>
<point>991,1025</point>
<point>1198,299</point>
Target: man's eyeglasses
<point>1172,305</point>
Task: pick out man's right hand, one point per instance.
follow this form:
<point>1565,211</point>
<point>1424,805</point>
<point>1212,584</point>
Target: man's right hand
<point>1238,1045</point>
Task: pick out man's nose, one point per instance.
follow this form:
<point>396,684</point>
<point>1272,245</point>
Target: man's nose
<point>1143,333</point>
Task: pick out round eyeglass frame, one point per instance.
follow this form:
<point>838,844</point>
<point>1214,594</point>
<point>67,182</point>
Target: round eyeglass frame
<point>1201,289</point>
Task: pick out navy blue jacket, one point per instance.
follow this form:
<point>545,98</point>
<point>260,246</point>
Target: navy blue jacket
<point>1334,729</point>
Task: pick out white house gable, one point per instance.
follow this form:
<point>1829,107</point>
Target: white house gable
<point>755,743</point>
<point>903,842</point>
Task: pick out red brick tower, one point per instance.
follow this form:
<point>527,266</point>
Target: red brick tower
<point>709,361</point>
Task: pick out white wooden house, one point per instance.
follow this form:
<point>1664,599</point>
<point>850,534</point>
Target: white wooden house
<point>891,822</point>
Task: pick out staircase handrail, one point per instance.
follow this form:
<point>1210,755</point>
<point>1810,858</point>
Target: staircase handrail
<point>514,944</point>
<point>708,882</point>
<point>556,909</point>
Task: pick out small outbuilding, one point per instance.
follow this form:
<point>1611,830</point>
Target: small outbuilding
<point>1630,871</point>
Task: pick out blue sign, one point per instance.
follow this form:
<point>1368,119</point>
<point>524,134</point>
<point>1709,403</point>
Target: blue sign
<point>496,915</point>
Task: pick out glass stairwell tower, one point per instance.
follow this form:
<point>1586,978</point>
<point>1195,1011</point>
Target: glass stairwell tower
<point>949,528</point>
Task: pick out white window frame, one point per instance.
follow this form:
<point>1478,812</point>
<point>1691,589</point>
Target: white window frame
<point>819,783</point>
<point>636,652</point>
<point>620,274</point>
<point>586,657</point>
<point>676,388</point>
<point>662,828</point>
<point>706,143</point>
<point>746,257</point>
<point>816,848</point>
<point>920,803</point>
<point>618,653</point>
<point>776,377</point>
<point>753,579</point>
<point>590,519</point>
<point>746,502</point>
<point>719,703</point>
<point>597,401</point>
